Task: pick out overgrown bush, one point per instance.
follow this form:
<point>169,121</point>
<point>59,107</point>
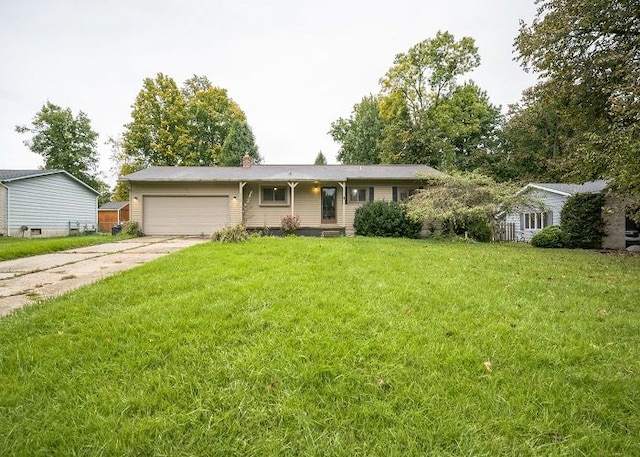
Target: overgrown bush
<point>472,224</point>
<point>131,228</point>
<point>385,219</point>
<point>232,234</point>
<point>289,224</point>
<point>582,224</point>
<point>548,237</point>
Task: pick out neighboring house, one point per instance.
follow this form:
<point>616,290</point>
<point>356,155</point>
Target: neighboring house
<point>553,196</point>
<point>200,200</point>
<point>45,203</point>
<point>112,213</point>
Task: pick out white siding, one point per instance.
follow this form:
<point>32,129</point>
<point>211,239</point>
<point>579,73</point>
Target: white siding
<point>3,210</point>
<point>49,203</point>
<point>553,203</point>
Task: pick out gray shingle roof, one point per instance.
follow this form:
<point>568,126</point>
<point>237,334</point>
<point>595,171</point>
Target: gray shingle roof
<point>15,175</point>
<point>11,175</point>
<point>590,187</point>
<point>113,206</point>
<point>282,173</point>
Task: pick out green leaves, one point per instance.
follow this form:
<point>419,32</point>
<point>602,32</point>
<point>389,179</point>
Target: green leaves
<point>65,142</point>
<point>421,114</point>
<point>196,126</point>
<point>588,54</point>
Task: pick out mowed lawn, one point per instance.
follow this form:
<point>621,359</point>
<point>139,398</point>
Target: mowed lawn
<point>16,247</point>
<point>333,347</point>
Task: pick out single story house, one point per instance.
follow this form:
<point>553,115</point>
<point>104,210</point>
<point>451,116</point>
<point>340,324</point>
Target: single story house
<point>201,200</point>
<point>45,203</point>
<point>112,213</point>
<point>553,196</point>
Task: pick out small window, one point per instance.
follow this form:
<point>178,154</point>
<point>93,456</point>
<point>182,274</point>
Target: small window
<point>36,231</point>
<point>406,192</point>
<point>274,195</point>
<point>358,194</point>
<point>534,221</point>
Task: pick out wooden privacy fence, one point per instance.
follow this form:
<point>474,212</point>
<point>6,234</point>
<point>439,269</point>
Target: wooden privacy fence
<point>504,231</point>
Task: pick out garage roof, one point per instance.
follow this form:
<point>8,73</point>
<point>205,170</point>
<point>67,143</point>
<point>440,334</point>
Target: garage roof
<point>283,173</point>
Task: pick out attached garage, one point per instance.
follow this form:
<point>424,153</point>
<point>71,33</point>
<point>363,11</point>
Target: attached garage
<point>184,215</point>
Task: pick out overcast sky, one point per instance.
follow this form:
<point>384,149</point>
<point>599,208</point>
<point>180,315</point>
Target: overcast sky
<point>293,66</point>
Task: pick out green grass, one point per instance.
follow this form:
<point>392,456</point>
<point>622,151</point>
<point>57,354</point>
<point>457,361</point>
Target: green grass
<point>332,347</point>
<point>15,248</point>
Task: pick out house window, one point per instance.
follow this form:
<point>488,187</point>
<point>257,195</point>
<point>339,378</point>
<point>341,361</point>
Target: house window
<point>273,195</point>
<point>406,192</point>
<point>358,194</point>
<point>534,221</point>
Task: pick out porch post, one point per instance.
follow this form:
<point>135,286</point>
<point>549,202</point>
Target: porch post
<point>344,205</point>
<point>293,185</point>
<point>241,185</point>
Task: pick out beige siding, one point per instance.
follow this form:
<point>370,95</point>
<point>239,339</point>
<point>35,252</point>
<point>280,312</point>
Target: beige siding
<point>304,203</point>
<point>139,190</point>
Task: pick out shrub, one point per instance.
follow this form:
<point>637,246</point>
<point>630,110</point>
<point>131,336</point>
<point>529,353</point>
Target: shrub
<point>548,237</point>
<point>473,224</point>
<point>386,219</point>
<point>289,224</point>
<point>582,224</point>
<point>130,228</point>
<point>233,234</point>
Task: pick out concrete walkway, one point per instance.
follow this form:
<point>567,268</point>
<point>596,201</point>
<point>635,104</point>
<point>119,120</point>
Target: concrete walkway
<point>30,279</point>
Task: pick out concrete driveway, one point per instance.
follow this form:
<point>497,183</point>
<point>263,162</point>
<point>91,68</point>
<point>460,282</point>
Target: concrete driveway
<point>30,279</point>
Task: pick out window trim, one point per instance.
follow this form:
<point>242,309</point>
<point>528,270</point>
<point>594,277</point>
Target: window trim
<point>534,220</point>
<point>364,194</point>
<point>284,202</point>
<point>409,190</point>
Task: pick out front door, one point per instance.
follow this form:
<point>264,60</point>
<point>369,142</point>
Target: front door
<point>329,205</point>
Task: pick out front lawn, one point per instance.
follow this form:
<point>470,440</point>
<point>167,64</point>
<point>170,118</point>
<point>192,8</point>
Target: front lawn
<point>336,347</point>
<point>15,248</point>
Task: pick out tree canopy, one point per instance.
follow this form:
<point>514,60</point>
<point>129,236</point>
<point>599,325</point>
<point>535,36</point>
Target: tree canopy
<point>422,113</point>
<point>65,142</point>
<point>320,159</point>
<point>588,57</point>
<point>460,199</point>
<point>198,125</point>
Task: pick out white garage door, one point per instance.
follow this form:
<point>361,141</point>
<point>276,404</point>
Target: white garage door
<point>184,215</point>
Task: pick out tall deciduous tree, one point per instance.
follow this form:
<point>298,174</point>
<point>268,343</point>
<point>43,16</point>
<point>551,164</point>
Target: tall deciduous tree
<point>588,53</point>
<point>65,142</point>
<point>429,70</point>
<point>359,135</point>
<point>422,114</point>
<point>158,133</point>
<point>198,125</point>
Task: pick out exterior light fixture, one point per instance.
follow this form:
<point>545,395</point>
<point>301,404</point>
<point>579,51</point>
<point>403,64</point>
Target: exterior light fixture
<point>135,198</point>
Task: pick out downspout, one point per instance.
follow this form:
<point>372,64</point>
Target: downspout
<point>241,185</point>
<point>293,185</point>
<point>344,205</point>
<point>8,210</point>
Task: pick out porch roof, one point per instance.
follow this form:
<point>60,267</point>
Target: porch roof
<point>283,173</point>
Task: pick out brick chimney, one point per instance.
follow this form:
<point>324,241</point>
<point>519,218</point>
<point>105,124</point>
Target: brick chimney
<point>246,161</point>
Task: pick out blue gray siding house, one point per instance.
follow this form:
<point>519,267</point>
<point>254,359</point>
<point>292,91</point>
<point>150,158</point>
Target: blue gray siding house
<point>45,203</point>
<point>553,196</point>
